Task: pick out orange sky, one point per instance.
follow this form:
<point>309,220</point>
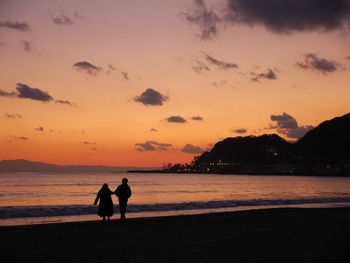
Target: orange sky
<point>158,48</point>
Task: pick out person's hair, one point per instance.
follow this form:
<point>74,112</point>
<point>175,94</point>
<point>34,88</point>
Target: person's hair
<point>125,180</point>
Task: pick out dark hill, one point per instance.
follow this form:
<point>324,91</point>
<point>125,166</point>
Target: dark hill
<point>323,150</point>
<point>265,149</point>
<point>329,140</point>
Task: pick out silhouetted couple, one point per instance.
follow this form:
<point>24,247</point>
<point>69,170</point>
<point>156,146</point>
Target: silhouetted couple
<point>106,209</point>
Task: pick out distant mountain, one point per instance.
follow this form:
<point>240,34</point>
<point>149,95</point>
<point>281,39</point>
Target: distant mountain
<point>323,150</point>
<point>30,166</point>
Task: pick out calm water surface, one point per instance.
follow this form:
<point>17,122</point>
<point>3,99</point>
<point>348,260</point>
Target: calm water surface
<point>39,194</point>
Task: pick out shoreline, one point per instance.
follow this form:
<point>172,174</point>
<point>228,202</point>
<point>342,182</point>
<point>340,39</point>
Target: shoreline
<point>265,235</point>
<point>40,220</point>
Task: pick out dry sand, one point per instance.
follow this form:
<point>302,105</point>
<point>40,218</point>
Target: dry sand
<point>271,235</point>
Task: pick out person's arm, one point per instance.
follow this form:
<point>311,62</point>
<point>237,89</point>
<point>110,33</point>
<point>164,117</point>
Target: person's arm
<point>97,197</point>
<point>116,192</point>
<point>129,192</point>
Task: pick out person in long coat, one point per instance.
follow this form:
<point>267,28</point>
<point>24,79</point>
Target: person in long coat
<point>105,208</point>
<point>123,192</point>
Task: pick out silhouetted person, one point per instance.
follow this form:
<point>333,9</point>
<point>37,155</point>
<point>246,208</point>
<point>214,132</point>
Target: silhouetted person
<point>105,208</point>
<point>123,192</point>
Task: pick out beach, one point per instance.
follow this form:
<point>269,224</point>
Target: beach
<point>265,235</point>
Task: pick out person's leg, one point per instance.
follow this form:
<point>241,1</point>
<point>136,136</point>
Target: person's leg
<point>122,208</point>
<point>104,218</point>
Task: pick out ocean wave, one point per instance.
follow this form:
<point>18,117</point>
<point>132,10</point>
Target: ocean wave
<point>71,210</point>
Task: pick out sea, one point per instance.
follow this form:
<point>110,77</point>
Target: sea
<point>37,198</point>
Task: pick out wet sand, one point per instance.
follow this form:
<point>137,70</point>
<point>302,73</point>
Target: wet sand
<point>270,235</point>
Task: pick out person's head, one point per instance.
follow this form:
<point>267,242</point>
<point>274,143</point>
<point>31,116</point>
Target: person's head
<point>105,186</point>
<point>125,180</point>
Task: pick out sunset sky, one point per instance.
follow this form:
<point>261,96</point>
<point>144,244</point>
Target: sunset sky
<point>142,83</point>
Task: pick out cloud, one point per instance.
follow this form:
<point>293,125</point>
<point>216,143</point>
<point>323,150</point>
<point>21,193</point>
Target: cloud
<point>13,115</point>
<point>152,146</point>
<point>66,102</point>
<point>220,63</point>
<point>62,19</point>
<point>189,148</point>
<point>312,61</point>
<point>348,58</point>
<point>289,16</point>
<point>197,118</point>
<point>221,83</point>
<point>269,74</point>
<point>26,92</point>
<point>125,75</point>
<point>21,138</point>
<point>151,97</point>
<point>200,67</point>
<point>176,119</point>
<point>87,68</point>
<point>206,19</point>
<point>77,15</point>
<point>39,129</point>
<point>89,143</point>
<point>17,25</point>
<point>288,125</point>
<point>111,67</point>
<point>240,130</point>
<point>7,94</point>
<point>26,46</point>
<point>153,130</point>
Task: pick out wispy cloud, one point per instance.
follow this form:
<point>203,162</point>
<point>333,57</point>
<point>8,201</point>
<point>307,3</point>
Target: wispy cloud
<point>221,64</point>
<point>200,67</point>
<point>152,146</point>
<point>125,75</point>
<point>87,68</point>
<point>189,148</point>
<point>151,97</point>
<point>197,118</point>
<point>39,129</point>
<point>313,62</point>
<point>89,143</point>
<point>176,119</point>
<point>239,130</point>
<point>61,18</point>
<point>205,18</point>
<point>20,138</point>
<point>16,25</point>
<point>13,115</point>
<point>26,46</point>
<point>66,102</point>
<point>111,67</point>
<point>269,74</point>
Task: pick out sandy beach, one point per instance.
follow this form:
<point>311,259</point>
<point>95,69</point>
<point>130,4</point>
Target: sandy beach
<point>270,235</point>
